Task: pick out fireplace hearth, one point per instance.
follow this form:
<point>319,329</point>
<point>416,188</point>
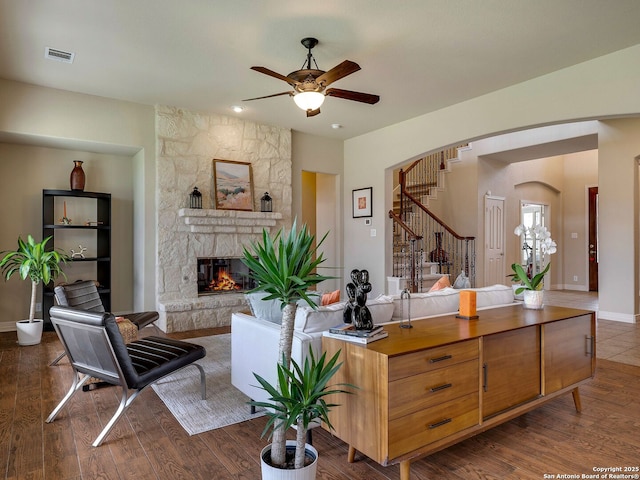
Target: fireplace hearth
<point>219,275</point>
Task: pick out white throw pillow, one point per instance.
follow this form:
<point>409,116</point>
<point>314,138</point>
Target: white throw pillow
<point>381,309</point>
<point>493,295</point>
<point>309,320</point>
<point>265,309</point>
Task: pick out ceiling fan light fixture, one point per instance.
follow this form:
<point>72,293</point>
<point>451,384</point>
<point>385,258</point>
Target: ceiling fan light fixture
<point>309,100</point>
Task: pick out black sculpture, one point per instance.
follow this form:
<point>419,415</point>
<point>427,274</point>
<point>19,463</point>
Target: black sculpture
<point>356,311</point>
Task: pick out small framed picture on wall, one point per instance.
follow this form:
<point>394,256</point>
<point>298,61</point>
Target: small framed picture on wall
<point>362,202</point>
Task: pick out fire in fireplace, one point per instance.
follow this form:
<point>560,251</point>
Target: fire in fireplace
<point>223,275</point>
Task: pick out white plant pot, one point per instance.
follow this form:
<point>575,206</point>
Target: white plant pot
<point>517,296</point>
<point>533,299</point>
<point>273,473</point>
<point>29,333</point>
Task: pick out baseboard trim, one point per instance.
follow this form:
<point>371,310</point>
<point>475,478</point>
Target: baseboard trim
<point>575,288</point>
<point>618,317</point>
<point>7,327</point>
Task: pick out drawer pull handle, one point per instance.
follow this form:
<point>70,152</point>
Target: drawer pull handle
<point>440,387</point>
<point>440,423</point>
<point>440,359</point>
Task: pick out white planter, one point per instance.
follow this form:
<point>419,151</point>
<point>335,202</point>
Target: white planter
<point>518,296</point>
<point>29,333</point>
<point>273,473</point>
<point>533,299</point>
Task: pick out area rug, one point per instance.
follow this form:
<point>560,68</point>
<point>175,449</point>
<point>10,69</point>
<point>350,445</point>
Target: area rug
<point>225,405</point>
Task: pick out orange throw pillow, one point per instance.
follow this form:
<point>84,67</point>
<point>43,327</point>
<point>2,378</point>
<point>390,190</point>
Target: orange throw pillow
<point>329,298</point>
<point>443,282</point>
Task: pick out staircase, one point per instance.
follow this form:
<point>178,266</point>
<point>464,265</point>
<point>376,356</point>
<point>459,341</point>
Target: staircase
<point>424,247</point>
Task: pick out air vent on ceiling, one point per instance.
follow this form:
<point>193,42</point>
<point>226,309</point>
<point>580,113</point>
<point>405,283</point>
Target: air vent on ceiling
<point>59,55</point>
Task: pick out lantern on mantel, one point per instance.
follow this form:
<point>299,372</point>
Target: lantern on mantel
<point>266,203</point>
<point>195,198</point>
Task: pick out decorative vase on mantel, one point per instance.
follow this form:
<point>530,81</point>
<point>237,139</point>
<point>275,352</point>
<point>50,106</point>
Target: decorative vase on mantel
<point>77,177</point>
<point>533,299</point>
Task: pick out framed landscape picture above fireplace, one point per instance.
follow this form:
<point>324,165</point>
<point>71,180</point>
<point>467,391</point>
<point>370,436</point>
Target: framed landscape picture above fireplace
<point>233,183</point>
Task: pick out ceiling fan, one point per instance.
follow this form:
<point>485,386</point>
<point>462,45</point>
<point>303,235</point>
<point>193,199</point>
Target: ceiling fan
<point>310,84</point>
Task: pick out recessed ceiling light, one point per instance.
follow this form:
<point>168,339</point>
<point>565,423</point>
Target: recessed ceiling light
<point>237,108</point>
<point>336,126</point>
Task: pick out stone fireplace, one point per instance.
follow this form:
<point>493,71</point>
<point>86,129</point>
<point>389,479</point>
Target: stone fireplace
<point>187,143</point>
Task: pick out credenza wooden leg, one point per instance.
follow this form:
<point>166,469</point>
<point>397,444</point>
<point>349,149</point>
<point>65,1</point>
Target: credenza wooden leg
<point>576,399</point>
<point>351,456</point>
<point>405,470</point>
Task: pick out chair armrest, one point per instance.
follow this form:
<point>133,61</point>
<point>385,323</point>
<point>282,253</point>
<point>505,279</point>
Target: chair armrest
<point>254,348</point>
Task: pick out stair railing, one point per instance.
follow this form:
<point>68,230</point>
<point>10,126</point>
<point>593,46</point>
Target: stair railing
<point>439,243</point>
<point>407,254</point>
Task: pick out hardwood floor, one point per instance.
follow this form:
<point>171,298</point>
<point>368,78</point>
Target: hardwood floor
<point>148,443</point>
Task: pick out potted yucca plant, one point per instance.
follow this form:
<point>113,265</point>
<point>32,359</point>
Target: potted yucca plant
<point>31,260</point>
<point>284,267</point>
<point>298,399</point>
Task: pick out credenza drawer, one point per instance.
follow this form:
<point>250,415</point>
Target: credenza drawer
<point>426,426</point>
<point>432,359</point>
<point>425,390</point>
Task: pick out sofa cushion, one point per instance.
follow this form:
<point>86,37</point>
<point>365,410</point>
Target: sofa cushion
<point>331,297</point>
<point>311,320</point>
<point>323,318</point>
<point>443,282</point>
<point>493,296</point>
<point>265,309</point>
<point>270,309</point>
<point>427,304</point>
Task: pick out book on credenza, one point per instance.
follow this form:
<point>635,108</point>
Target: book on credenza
<point>350,329</point>
<point>353,339</point>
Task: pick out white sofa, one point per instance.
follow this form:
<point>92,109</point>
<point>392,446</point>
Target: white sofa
<point>255,337</point>
<point>255,341</point>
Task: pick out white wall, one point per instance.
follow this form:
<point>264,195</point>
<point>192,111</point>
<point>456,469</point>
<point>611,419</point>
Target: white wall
<point>26,171</point>
<point>600,88</point>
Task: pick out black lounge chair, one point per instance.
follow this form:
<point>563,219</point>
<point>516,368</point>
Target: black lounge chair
<point>95,348</point>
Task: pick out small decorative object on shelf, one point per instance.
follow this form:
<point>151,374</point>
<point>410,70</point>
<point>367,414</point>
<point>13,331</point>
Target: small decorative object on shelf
<point>195,198</point>
<point>80,253</point>
<point>91,223</point>
<point>77,177</point>
<point>65,220</point>
<point>266,203</point>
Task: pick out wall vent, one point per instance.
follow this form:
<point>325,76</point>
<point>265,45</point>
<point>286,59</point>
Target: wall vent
<point>58,55</point>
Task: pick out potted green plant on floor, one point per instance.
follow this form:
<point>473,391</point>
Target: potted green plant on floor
<point>284,267</point>
<point>298,399</point>
<point>31,260</point>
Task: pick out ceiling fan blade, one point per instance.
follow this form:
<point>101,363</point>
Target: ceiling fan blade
<point>350,95</point>
<point>273,74</point>
<point>336,73</point>
<point>269,96</point>
<point>313,113</point>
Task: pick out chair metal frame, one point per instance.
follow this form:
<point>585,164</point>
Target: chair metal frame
<point>95,357</point>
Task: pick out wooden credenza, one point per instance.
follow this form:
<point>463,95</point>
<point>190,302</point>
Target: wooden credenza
<point>446,379</point>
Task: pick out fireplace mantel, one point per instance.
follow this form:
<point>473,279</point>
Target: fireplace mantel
<point>226,221</point>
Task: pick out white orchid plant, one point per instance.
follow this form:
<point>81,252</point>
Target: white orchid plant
<point>532,278</point>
